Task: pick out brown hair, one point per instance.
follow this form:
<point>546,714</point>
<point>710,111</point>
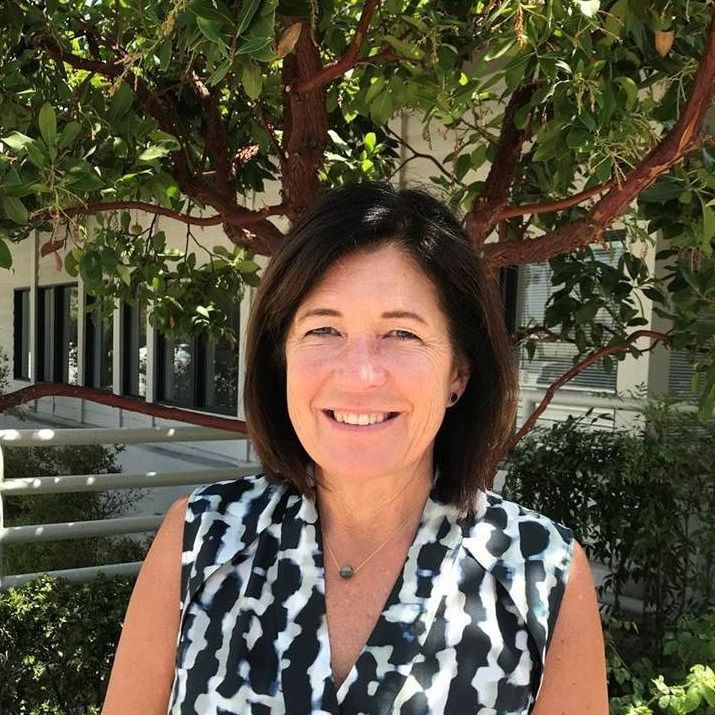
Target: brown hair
<point>364,217</point>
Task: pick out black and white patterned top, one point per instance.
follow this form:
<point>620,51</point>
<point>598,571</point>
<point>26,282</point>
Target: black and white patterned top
<point>464,630</point>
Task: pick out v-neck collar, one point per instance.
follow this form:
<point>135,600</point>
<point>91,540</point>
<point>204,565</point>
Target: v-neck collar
<point>399,634</point>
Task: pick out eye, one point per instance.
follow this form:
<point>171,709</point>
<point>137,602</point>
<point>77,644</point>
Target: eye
<point>325,330</point>
<point>403,335</point>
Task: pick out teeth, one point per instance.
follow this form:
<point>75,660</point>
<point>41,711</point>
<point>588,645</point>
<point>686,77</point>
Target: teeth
<point>355,418</point>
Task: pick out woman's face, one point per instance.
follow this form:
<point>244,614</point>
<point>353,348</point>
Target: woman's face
<point>370,368</point>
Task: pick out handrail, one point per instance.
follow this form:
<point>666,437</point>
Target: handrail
<point>118,526</point>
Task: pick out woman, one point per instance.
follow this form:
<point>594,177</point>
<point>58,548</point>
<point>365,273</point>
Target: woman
<point>367,570</point>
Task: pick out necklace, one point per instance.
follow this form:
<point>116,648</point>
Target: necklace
<point>347,571</point>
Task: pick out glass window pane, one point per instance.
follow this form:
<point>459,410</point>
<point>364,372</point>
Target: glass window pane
<point>98,350</point>
<point>134,350</point>
<point>47,335</point>
<point>221,372</point>
<point>21,353</point>
<point>70,365</point>
<point>178,371</point>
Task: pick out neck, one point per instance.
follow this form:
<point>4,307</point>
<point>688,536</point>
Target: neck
<point>366,511</point>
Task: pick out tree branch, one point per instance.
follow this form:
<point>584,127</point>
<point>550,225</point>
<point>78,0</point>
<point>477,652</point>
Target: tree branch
<point>240,217</point>
<point>419,155</point>
<point>53,389</point>
<point>589,360</point>
<point>681,139</point>
<point>348,60</point>
<point>484,214</point>
<point>557,205</point>
<point>214,133</point>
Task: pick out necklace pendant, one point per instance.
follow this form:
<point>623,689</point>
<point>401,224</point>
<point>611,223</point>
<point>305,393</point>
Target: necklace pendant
<point>346,572</point>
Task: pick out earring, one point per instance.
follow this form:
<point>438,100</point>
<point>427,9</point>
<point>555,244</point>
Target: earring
<point>453,398</point>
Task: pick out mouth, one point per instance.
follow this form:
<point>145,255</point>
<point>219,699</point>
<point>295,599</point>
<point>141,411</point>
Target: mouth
<point>360,419</point>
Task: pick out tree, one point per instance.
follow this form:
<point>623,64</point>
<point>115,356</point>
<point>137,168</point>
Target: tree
<point>580,113</point>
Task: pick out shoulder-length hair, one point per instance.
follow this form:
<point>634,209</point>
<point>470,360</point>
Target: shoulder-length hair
<point>365,217</point>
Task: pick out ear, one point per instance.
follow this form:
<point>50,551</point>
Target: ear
<point>460,375</point>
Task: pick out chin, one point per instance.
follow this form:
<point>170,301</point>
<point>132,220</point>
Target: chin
<point>359,470</point>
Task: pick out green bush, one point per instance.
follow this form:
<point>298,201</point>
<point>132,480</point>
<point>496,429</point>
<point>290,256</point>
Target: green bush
<point>676,686</point>
<point>57,642</point>
<point>640,502</point>
<point>19,510</point>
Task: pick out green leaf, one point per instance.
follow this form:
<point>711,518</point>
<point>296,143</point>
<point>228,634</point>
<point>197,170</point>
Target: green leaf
<point>17,141</point>
<point>252,80</point>
<point>692,700</point>
<point>15,209</point>
<point>124,273</point>
<point>589,7</point>
<point>259,48</point>
<point>664,189</point>
<point>71,265</point>
<point>210,30</point>
<point>631,90</point>
<point>404,48</point>
<point>5,255</point>
<point>207,11</point>
<point>121,101</point>
<point>47,121</point>
<point>587,312</point>
<point>500,49</point>
<point>370,141</point>
<point>247,13</point>
<point>153,152</point>
<point>69,134</point>
<point>381,107</point>
<point>708,222</point>
<point>220,72</point>
<point>709,695</point>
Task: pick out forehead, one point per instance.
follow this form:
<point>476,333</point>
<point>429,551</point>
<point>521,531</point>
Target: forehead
<point>386,278</point>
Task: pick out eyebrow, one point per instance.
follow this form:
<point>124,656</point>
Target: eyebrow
<point>330,313</point>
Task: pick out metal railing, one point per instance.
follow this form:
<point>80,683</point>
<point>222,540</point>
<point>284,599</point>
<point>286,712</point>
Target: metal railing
<point>118,526</point>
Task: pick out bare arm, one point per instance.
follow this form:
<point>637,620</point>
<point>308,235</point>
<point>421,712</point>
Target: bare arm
<point>575,667</point>
<point>143,669</point>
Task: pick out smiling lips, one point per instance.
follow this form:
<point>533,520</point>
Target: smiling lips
<point>362,419</point>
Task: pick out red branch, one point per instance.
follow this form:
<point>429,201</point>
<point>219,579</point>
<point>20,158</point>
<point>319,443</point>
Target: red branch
<point>589,360</point>
<point>240,217</point>
<point>214,133</point>
<point>348,60</point>
<point>484,213</point>
<point>681,139</point>
<point>558,205</point>
<point>53,389</point>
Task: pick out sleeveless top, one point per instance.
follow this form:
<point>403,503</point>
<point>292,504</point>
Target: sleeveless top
<point>464,630</point>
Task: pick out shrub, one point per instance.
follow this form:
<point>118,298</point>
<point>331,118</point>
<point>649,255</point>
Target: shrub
<point>640,502</point>
<point>19,510</point>
<point>57,642</point>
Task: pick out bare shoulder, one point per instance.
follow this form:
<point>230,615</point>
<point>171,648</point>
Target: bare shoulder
<point>143,668</point>
<point>575,667</point>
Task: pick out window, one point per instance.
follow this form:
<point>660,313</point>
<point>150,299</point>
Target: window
<point>57,334</point>
<point>21,335</point>
<point>134,350</point>
<point>551,360</point>
<point>199,373</point>
<point>680,375</point>
<point>98,348</point>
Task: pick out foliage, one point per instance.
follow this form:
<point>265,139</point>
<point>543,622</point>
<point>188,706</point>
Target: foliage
<point>57,643</point>
<point>191,107</point>
<point>29,462</point>
<point>643,690</point>
<point>618,490</point>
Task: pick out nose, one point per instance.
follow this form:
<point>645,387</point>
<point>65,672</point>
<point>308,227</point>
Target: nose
<point>360,365</point>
